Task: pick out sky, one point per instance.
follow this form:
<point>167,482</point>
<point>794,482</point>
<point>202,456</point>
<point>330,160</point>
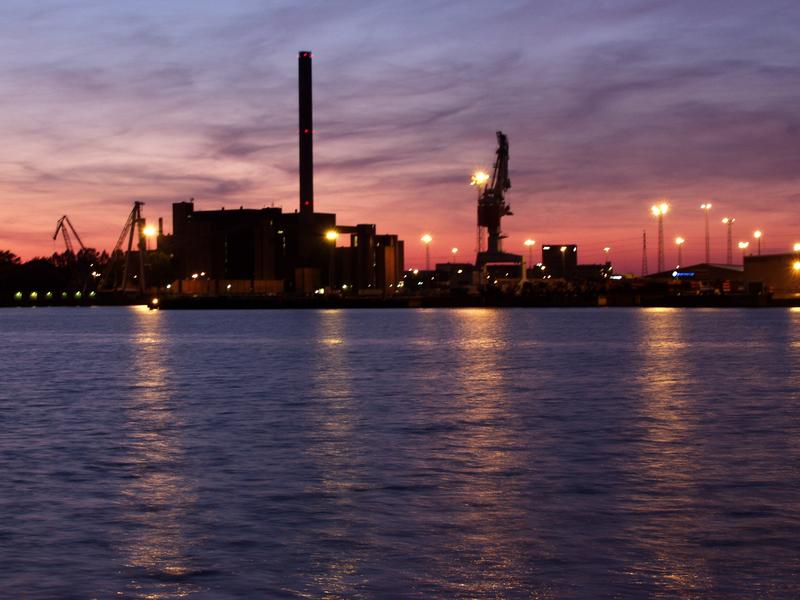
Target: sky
<point>608,106</point>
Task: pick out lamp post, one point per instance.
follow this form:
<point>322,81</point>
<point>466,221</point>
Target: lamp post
<point>679,241</point>
<point>148,231</point>
<point>479,180</point>
<point>659,210</point>
<point>453,252</point>
<point>607,254</point>
<point>332,236</point>
<point>707,207</point>
<point>427,239</point>
<point>743,247</point>
<point>563,250</point>
<point>758,234</point>
<point>530,244</point>
<point>729,221</point>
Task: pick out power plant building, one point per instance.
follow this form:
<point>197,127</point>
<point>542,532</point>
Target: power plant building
<point>269,251</point>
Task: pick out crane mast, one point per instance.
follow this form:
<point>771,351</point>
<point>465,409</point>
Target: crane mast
<point>133,225</point>
<point>492,206</point>
<point>64,226</point>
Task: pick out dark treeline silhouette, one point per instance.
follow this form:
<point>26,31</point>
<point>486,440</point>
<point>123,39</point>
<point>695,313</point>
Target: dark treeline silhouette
<point>69,273</point>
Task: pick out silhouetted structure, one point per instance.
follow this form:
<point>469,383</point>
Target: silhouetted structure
<point>269,251</point>
<point>492,207</point>
<point>704,278</point>
<point>560,260</point>
<point>779,273</point>
<point>306,132</point>
<point>112,280</point>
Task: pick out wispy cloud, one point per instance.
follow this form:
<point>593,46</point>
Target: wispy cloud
<point>606,106</point>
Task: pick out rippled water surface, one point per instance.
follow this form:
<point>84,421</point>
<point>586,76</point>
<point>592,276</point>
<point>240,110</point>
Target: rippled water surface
<point>399,453</point>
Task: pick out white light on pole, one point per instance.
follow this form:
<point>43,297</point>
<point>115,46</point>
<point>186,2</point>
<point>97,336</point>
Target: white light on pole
<point>706,208</point>
<point>427,239</point>
<point>659,210</point>
<point>530,244</point>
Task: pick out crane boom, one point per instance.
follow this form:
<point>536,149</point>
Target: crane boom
<point>64,226</point>
<point>133,222</point>
<point>492,205</point>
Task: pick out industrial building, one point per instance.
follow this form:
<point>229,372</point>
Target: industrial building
<point>560,260</point>
<point>269,251</point>
<point>704,278</point>
<point>778,273</point>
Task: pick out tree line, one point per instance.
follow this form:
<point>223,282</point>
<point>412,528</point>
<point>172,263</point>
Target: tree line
<point>69,272</point>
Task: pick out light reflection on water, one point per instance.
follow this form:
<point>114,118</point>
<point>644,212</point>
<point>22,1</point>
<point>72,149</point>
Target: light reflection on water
<point>334,451</point>
<point>347,454</point>
<point>156,498</point>
<point>666,461</point>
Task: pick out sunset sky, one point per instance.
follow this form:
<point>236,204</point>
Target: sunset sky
<point>608,106</point>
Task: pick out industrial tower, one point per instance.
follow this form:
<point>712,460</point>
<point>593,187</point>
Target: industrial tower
<point>492,207</point>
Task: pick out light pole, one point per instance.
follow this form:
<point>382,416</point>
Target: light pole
<point>479,180</point>
<point>758,234</point>
<point>530,244</point>
<point>427,239</point>
<point>332,236</point>
<point>679,241</point>
<point>729,221</point>
<point>707,207</point>
<point>743,247</point>
<point>148,231</point>
<point>563,262</point>
<point>607,254</point>
<point>454,251</point>
<point>659,210</point>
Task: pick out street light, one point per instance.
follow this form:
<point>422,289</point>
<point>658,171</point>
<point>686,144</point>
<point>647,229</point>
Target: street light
<point>479,179</point>
<point>454,251</point>
<point>729,221</point>
<point>607,254</point>
<point>148,231</point>
<point>659,210</point>
<point>563,250</point>
<point>758,234</point>
<point>332,235</point>
<point>706,206</point>
<point>427,239</point>
<point>530,244</point>
<point>743,247</point>
<point>679,241</point>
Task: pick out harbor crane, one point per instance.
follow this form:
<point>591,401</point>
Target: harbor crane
<point>492,206</point>
<point>133,225</point>
<point>64,226</point>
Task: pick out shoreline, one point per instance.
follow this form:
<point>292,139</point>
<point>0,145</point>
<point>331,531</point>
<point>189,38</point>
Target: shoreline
<point>412,302</point>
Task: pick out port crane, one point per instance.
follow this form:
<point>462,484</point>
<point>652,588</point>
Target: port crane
<point>64,226</point>
<point>492,204</point>
<point>133,225</point>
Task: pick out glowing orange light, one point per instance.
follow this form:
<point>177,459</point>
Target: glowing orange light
<point>479,178</point>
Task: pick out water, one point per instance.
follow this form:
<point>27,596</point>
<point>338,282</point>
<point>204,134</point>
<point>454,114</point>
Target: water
<point>405,453</point>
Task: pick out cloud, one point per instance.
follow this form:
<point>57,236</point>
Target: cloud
<point>606,105</point>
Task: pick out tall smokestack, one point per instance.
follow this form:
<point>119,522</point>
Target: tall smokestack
<point>306,132</point>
